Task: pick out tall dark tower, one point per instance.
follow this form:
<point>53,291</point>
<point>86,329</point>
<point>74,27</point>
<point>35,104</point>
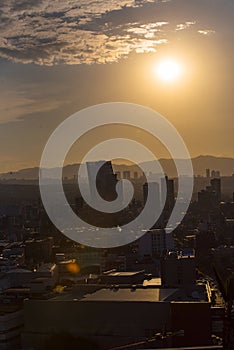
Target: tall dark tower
<point>208,173</point>
<point>170,193</point>
<point>152,186</point>
<point>216,187</point>
<point>105,180</point>
<point>168,197</point>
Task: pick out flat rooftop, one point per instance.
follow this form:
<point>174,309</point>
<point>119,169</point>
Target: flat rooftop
<point>123,273</point>
<point>156,281</point>
<point>120,295</point>
<point>151,291</point>
<point>139,295</point>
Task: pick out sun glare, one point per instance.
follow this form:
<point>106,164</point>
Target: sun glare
<point>168,70</point>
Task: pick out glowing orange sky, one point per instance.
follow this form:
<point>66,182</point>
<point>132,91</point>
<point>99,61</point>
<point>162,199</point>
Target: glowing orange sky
<point>35,98</point>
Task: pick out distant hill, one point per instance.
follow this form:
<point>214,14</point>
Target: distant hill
<point>200,164</point>
<point>224,165</point>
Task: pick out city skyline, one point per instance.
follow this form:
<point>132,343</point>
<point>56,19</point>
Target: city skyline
<point>116,174</point>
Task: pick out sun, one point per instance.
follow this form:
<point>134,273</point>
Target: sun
<point>168,70</point>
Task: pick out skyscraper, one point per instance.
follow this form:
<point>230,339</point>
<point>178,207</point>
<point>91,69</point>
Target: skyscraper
<point>216,187</point>
<point>168,197</point>
<point>104,180</point>
<point>208,173</point>
<point>154,186</point>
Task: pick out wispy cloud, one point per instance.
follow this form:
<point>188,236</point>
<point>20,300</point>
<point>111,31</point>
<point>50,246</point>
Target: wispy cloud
<point>206,32</point>
<point>185,25</point>
<point>17,103</point>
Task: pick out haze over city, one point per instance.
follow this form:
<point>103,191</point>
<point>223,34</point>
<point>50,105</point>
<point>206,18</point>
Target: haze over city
<point>116,174</point>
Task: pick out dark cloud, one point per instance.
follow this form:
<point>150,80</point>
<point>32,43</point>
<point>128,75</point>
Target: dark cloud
<point>25,4</point>
<point>50,32</point>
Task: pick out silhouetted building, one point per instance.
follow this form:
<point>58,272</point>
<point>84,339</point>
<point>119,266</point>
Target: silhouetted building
<point>11,326</point>
<point>155,242</point>
<point>104,182</point>
<point>126,174</point>
<point>154,187</point>
<point>216,187</point>
<point>118,175</point>
<point>187,316</point>
<point>39,250</point>
<point>211,196</point>
<point>178,269</point>
<point>207,199</point>
<point>122,277</point>
<point>117,316</point>
<point>168,197</point>
<point>215,173</point>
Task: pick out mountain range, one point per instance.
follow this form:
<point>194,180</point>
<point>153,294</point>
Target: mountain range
<point>200,164</point>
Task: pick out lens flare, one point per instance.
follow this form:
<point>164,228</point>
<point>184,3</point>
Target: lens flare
<point>73,268</point>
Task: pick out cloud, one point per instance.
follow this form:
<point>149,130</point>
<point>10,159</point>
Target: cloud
<point>206,32</point>
<point>185,25</point>
<point>70,32</point>
<point>17,103</point>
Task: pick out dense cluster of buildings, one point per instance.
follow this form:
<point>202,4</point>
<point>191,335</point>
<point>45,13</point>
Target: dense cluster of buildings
<point>159,290</point>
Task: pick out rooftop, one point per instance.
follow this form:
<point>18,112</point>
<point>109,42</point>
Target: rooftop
<point>153,282</point>
<point>19,270</point>
<point>139,295</point>
<point>46,267</point>
<point>123,273</point>
<point>121,295</point>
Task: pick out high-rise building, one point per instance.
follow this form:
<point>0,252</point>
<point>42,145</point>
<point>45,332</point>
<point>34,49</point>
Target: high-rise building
<point>207,198</point>
<point>155,242</point>
<point>118,175</point>
<point>154,188</point>
<point>126,174</point>
<point>216,187</point>
<point>145,192</point>
<point>168,197</point>
<point>213,173</point>
<point>39,250</point>
<point>104,180</point>
<point>208,173</point>
<point>178,269</point>
<point>211,196</point>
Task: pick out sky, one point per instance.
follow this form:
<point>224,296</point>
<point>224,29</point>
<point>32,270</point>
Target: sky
<point>57,57</point>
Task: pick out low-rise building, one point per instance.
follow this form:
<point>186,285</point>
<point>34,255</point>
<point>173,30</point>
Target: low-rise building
<point>117,316</point>
<point>11,325</point>
<point>178,269</point>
